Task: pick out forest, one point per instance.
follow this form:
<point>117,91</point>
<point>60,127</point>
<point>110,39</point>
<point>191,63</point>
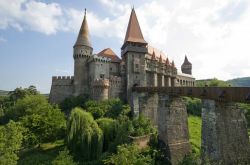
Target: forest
<point>82,131</point>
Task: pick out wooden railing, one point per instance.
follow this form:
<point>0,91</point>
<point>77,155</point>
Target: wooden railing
<point>227,94</point>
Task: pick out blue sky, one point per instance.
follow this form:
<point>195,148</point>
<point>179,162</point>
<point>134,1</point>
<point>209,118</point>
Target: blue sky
<point>36,36</point>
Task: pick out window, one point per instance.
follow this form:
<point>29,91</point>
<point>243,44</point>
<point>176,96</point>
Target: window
<point>102,76</point>
<point>136,66</point>
<point>110,68</point>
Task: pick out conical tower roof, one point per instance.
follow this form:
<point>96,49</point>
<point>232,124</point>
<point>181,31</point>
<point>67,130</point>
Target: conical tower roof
<point>186,62</point>
<point>167,61</point>
<point>134,33</point>
<point>153,56</point>
<point>83,36</point>
<point>173,65</point>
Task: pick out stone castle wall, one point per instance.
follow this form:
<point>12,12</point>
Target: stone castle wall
<point>115,89</point>
<point>62,87</point>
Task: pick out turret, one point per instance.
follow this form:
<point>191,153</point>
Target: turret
<point>186,67</point>
<point>133,52</point>
<point>82,52</point>
<point>100,89</point>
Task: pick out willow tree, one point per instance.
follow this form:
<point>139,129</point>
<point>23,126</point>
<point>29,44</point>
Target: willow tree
<point>84,137</point>
<point>109,128</point>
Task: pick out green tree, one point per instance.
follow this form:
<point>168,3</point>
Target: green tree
<point>142,126</point>
<point>109,128</point>
<point>193,105</point>
<point>128,154</point>
<point>84,137</point>
<point>43,122</point>
<point>212,83</point>
<point>64,158</point>
<point>20,93</point>
<point>69,103</point>
<point>109,108</point>
<point>11,136</point>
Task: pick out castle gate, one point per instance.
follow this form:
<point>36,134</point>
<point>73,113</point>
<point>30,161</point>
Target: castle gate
<point>224,138</point>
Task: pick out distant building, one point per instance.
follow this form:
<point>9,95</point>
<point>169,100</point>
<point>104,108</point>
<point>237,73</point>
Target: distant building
<point>105,75</point>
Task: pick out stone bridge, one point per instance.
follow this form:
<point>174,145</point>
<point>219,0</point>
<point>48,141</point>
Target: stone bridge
<point>224,128</point>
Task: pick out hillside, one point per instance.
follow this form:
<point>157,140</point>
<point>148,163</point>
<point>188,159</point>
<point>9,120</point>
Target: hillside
<point>3,93</point>
<point>240,82</point>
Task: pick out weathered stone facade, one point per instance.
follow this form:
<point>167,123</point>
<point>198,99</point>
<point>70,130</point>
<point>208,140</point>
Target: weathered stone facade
<point>169,115</point>
<point>104,75</point>
<point>224,133</point>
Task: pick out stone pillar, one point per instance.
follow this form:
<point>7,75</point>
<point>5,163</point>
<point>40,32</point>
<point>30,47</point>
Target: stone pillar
<point>148,106</point>
<point>168,82</point>
<point>134,104</point>
<point>173,127</point>
<point>172,81</point>
<point>224,134</point>
<point>162,81</point>
<point>155,83</point>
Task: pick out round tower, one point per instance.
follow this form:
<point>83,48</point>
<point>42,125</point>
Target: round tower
<point>82,52</point>
<point>100,89</point>
<point>186,67</point>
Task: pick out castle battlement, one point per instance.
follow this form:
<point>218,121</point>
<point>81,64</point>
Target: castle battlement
<point>62,80</point>
<point>62,77</point>
<point>101,59</point>
<point>115,80</point>
<point>100,83</point>
<point>81,56</point>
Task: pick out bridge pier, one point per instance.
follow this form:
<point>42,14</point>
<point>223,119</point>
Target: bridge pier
<point>169,114</point>
<point>224,133</point>
<point>173,127</point>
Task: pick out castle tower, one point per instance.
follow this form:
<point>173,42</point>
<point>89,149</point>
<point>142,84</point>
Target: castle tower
<point>133,53</point>
<point>82,52</point>
<point>186,67</point>
<point>100,89</point>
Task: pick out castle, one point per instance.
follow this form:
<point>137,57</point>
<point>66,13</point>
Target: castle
<point>105,75</point>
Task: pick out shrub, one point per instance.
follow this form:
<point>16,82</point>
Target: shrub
<point>128,154</point>
<point>142,126</point>
<point>10,142</point>
<point>64,158</point>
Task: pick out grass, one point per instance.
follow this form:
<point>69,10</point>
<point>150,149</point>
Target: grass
<point>194,124</point>
<point>43,155</point>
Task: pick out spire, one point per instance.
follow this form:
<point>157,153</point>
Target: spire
<point>173,65</point>
<point>186,62</point>
<point>134,33</point>
<point>167,61</point>
<point>160,60</point>
<point>83,36</point>
<point>153,56</point>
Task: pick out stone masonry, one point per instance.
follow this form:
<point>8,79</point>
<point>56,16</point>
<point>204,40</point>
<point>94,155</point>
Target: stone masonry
<point>169,115</point>
<point>224,133</point>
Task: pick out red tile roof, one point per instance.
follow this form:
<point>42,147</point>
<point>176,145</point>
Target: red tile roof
<point>134,33</point>
<point>109,54</point>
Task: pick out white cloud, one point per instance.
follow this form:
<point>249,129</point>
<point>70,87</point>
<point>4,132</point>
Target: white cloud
<point>214,34</point>
<point>30,14</point>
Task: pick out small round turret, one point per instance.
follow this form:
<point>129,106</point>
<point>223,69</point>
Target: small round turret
<point>186,67</point>
<point>100,89</point>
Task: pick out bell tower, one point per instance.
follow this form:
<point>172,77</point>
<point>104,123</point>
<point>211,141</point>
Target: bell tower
<point>82,52</point>
<point>133,54</point>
